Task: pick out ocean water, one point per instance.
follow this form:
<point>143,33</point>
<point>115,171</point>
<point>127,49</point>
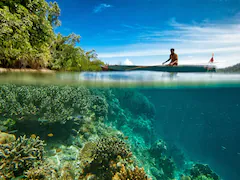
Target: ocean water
<point>108,125</point>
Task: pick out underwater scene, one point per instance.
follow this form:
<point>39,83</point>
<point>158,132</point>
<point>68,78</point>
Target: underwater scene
<point>119,126</point>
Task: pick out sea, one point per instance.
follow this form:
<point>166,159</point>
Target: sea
<point>120,125</point>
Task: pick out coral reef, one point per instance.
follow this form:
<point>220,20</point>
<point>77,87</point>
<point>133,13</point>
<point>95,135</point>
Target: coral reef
<point>7,124</point>
<point>41,172</point>
<point>136,102</point>
<point>33,102</point>
<point>200,170</point>
<point>6,138</point>
<point>100,156</point>
<point>99,106</point>
<point>45,171</point>
<point>19,155</point>
<point>158,148</point>
<point>177,155</point>
<point>136,174</point>
<point>89,130</point>
<point>185,178</point>
<point>163,163</point>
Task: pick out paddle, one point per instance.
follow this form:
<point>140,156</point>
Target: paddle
<point>165,61</point>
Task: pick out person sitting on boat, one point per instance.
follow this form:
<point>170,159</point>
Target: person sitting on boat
<point>173,57</point>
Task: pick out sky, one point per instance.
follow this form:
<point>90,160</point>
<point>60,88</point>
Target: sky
<point>142,32</point>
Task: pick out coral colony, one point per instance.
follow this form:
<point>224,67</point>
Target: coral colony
<point>68,133</point>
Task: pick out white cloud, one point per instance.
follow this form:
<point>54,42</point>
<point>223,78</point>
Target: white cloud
<point>127,62</point>
<point>195,40</point>
<point>100,7</point>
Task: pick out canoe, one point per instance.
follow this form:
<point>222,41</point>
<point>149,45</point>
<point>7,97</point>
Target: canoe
<point>180,68</point>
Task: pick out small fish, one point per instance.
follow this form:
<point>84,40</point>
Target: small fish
<point>33,136</point>
<point>19,178</point>
<point>13,131</point>
<point>58,150</point>
<point>223,148</point>
<point>79,117</point>
<point>126,137</point>
<point>50,135</point>
<point>238,153</point>
<point>42,120</point>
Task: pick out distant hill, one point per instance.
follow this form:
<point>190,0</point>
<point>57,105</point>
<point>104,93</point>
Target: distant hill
<point>234,68</point>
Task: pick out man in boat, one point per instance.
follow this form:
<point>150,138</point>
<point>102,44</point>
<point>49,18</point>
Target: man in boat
<point>173,57</point>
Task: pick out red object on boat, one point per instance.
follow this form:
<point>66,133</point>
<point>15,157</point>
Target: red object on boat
<point>211,60</point>
<point>105,68</point>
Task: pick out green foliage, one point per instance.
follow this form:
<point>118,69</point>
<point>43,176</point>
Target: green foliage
<point>27,38</point>
<point>231,69</point>
<point>25,34</point>
<point>68,57</point>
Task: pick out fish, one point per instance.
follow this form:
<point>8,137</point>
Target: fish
<point>126,137</point>
<point>58,150</point>
<point>238,153</point>
<point>42,120</point>
<point>50,135</point>
<point>13,131</point>
<point>223,148</point>
<point>19,177</point>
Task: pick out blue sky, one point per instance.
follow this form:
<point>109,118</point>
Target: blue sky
<point>142,31</point>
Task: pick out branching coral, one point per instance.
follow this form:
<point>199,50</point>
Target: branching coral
<point>127,173</point>
<point>20,155</point>
<point>99,106</point>
<point>33,102</point>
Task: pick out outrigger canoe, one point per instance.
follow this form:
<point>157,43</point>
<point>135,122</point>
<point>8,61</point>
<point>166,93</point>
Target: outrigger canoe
<point>180,68</point>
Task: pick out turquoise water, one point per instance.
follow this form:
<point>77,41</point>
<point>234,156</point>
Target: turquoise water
<point>162,122</point>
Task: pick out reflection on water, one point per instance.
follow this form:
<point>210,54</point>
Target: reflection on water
<point>124,79</point>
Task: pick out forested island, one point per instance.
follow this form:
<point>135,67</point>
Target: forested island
<point>234,68</point>
<point>27,39</point>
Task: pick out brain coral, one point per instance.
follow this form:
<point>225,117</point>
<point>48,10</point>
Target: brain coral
<point>103,153</point>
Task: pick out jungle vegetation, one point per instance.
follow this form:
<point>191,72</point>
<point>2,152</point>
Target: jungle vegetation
<point>27,39</point>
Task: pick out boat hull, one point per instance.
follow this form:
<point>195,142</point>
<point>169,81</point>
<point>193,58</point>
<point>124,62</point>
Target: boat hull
<point>183,68</point>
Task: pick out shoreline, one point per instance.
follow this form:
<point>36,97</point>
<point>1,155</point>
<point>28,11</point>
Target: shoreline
<point>2,70</point>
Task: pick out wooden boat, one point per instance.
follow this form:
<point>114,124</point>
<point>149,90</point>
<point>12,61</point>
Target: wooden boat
<point>181,68</point>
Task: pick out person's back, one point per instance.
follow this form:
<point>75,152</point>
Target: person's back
<point>174,59</point>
